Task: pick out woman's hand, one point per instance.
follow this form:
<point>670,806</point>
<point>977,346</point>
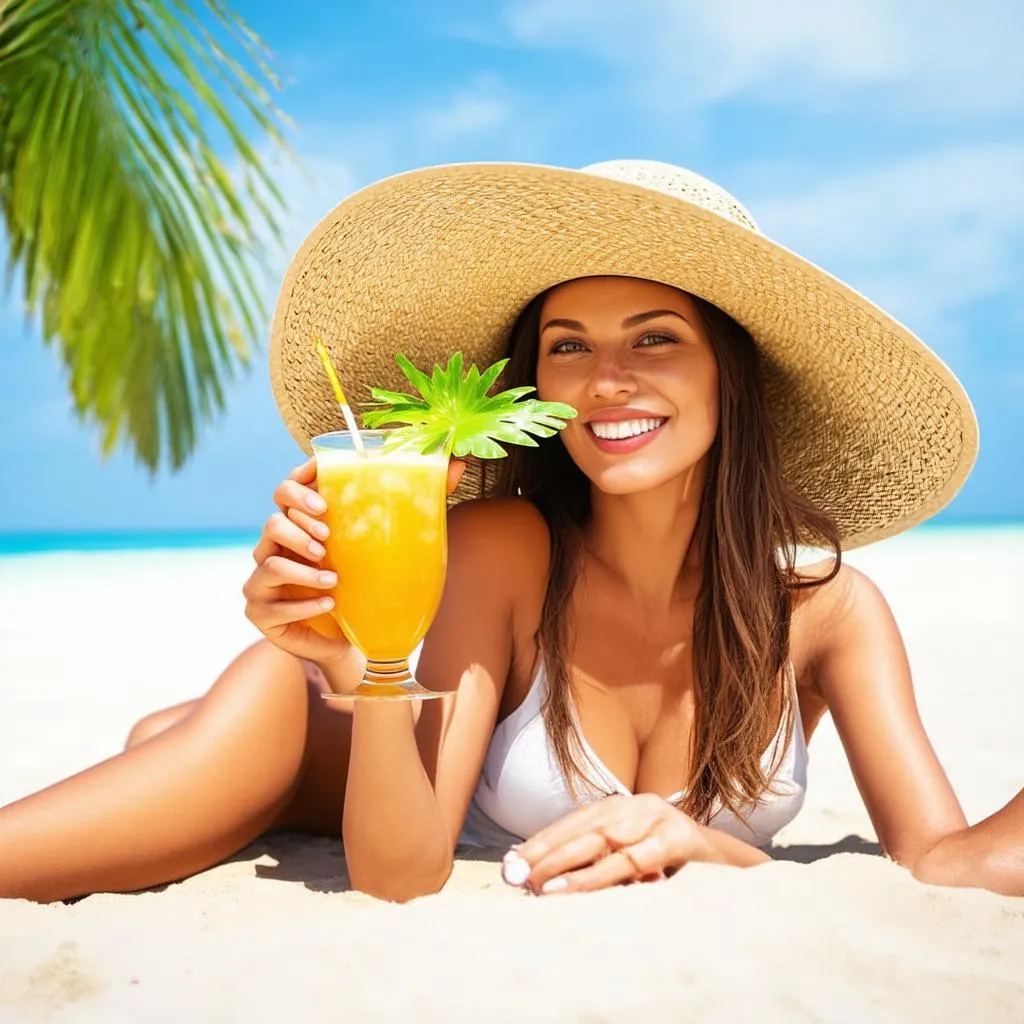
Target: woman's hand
<point>616,840</point>
<point>287,597</point>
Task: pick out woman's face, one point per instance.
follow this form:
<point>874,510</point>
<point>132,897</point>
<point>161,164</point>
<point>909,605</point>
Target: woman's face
<point>634,359</point>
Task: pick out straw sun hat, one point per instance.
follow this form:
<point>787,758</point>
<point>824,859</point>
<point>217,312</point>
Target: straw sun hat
<point>872,425</point>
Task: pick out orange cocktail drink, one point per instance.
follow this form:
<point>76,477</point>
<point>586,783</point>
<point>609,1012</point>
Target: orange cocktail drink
<point>386,511</point>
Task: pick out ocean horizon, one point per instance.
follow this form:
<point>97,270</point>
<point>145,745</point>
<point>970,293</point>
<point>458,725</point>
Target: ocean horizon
<point>75,541</point>
<point>14,543</point>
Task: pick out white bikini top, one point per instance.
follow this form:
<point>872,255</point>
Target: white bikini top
<point>522,789</point>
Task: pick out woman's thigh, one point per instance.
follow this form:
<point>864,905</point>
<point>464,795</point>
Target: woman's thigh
<point>174,803</point>
<point>317,802</point>
<point>158,721</point>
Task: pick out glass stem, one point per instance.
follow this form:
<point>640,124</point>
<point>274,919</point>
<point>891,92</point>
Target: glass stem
<point>393,673</point>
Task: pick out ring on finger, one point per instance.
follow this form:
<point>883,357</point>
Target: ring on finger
<point>625,851</point>
<point>644,864</point>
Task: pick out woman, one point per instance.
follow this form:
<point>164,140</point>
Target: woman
<point>623,616</point>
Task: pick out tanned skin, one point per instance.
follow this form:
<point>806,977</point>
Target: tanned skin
<point>200,781</point>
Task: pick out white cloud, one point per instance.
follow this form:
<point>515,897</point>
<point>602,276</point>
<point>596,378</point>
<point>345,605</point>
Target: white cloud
<point>923,236</point>
<point>955,56</point>
<point>466,113</point>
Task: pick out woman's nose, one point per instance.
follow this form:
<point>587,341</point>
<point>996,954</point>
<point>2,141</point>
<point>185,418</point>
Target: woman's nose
<point>610,378</point>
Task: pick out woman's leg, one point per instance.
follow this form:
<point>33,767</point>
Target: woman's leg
<point>157,722</point>
<point>318,801</point>
<point>180,801</point>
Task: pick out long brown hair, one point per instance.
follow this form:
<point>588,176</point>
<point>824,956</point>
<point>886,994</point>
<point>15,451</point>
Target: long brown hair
<point>749,527</point>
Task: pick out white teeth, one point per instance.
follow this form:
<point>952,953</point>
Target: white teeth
<point>625,428</point>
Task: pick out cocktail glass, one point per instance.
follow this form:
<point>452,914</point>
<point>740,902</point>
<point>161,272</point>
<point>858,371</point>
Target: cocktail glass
<point>386,511</point>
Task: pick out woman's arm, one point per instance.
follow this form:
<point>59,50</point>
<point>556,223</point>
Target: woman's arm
<point>859,665</point>
<point>989,855</point>
<point>409,784</point>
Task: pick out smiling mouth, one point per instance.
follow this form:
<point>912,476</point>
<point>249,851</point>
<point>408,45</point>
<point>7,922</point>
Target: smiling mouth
<point>623,430</point>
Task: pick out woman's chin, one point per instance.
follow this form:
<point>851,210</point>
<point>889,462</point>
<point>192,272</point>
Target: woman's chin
<point>630,479</point>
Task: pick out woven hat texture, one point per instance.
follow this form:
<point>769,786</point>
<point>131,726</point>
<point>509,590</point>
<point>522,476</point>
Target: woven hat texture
<point>872,426</point>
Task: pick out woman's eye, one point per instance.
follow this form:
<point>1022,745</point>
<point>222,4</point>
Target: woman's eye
<point>649,340</point>
<point>567,345</point>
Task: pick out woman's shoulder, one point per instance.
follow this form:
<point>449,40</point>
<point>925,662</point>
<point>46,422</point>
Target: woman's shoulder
<point>827,591</point>
<point>502,533</point>
<point>834,608</point>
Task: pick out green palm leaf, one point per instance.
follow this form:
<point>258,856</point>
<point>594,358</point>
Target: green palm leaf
<point>454,411</point>
<point>137,249</point>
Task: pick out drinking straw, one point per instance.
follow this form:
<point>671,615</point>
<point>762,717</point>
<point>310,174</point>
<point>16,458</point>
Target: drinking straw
<point>339,394</point>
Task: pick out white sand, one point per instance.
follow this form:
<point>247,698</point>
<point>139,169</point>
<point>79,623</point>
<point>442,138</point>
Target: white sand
<point>89,643</point>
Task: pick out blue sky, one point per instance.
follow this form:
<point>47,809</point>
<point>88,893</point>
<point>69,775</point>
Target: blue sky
<point>883,139</point>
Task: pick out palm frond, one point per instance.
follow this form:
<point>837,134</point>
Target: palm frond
<point>139,249</point>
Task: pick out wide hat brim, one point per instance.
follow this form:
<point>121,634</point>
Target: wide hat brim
<point>872,426</point>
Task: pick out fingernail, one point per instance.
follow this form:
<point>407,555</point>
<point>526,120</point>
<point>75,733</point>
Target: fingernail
<point>327,578</point>
<point>554,885</point>
<point>316,549</point>
<point>315,503</point>
<point>322,530</point>
<point>327,603</point>
<point>514,870</point>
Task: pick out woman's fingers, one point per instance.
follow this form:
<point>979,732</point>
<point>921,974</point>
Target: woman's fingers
<point>586,819</point>
<point>605,843</point>
<point>456,467</point>
<point>634,831</point>
<point>277,571</point>
<point>593,862</point>
<point>523,862</point>
<point>615,869</point>
<point>287,555</point>
<point>294,494</point>
<point>281,532</point>
<point>299,501</point>
<point>314,527</point>
<point>650,856</point>
<point>295,526</point>
<point>568,856</point>
<point>306,473</point>
<point>273,617</point>
<point>644,861</point>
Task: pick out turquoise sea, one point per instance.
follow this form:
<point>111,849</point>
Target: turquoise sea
<point>30,543</point>
<point>124,540</point>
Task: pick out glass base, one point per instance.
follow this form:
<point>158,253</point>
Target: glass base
<point>387,680</point>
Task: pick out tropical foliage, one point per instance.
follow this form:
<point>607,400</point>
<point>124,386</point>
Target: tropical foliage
<point>454,412</point>
<point>135,206</point>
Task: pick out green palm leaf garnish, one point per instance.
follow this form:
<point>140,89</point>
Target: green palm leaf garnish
<point>453,412</point>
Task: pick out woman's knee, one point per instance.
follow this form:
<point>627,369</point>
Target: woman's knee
<point>157,722</point>
<point>260,674</point>
<point>260,701</point>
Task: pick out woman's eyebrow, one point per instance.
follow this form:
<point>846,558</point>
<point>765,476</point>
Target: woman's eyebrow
<point>639,318</point>
<point>572,325</point>
<point>630,321</point>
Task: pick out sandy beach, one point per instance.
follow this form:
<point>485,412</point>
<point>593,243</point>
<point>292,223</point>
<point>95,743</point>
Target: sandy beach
<point>832,932</point>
